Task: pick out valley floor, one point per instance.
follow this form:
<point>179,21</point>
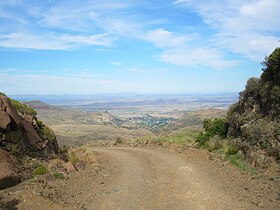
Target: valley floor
<point>151,178</point>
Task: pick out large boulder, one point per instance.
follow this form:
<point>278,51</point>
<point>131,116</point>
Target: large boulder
<point>8,173</point>
<point>7,106</point>
<point>4,120</point>
<point>34,139</point>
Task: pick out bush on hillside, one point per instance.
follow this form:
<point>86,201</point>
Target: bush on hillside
<point>40,170</point>
<point>23,108</point>
<point>212,127</point>
<point>45,132</point>
<point>216,126</point>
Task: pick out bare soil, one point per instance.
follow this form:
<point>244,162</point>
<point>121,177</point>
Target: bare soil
<point>148,178</point>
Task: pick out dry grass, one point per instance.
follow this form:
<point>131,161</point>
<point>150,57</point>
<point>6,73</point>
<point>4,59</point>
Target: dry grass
<point>83,133</point>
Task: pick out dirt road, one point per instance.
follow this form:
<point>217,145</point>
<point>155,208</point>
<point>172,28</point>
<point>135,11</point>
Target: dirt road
<point>154,179</point>
<point>151,179</point>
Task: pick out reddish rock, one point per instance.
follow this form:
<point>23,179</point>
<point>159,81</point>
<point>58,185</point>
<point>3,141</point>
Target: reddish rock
<point>28,118</point>
<point>3,155</point>
<point>2,107</point>
<point>7,106</point>
<point>70,167</point>
<point>32,135</point>
<point>53,145</point>
<point>4,120</point>
<point>8,172</point>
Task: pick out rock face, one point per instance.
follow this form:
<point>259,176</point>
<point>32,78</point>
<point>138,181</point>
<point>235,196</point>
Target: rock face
<point>254,121</point>
<point>4,120</point>
<point>8,173</point>
<point>21,135</point>
<point>70,167</point>
<point>7,106</point>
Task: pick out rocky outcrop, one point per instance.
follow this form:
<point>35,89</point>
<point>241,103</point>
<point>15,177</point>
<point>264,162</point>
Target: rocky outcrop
<point>70,167</point>
<point>254,121</point>
<point>7,106</point>
<point>4,120</point>
<point>21,135</point>
<point>8,173</point>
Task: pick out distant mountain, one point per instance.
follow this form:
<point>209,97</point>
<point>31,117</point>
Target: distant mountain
<point>41,105</point>
<point>127,99</point>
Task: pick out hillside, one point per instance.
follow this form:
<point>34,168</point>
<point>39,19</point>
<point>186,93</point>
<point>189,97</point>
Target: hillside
<point>22,135</point>
<point>254,121</point>
<point>73,126</point>
<point>41,105</point>
<point>193,119</point>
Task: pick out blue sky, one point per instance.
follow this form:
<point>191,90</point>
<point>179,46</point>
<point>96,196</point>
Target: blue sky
<point>107,46</point>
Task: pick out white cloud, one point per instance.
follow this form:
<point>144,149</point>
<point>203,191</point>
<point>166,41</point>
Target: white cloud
<point>253,45</point>
<point>165,39</point>
<point>179,2</point>
<point>178,50</point>
<point>138,70</point>
<point>59,24</point>
<point>84,16</point>
<point>244,27</point>
<point>96,39</point>
<point>53,84</point>
<point>116,63</point>
<point>23,40</point>
<point>250,28</point>
<point>199,56</point>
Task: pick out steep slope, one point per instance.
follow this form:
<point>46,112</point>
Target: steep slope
<point>21,135</point>
<point>254,121</point>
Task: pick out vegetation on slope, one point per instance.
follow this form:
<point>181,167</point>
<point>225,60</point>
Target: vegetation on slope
<point>23,108</point>
<point>213,127</point>
<point>254,121</point>
<point>43,130</point>
<point>252,126</point>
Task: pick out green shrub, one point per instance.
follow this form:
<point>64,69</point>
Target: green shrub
<point>23,108</point>
<point>73,158</point>
<point>58,175</point>
<point>40,170</point>
<point>202,138</point>
<point>214,143</point>
<point>216,126</point>
<point>230,148</point>
<point>238,162</point>
<point>63,150</point>
<point>213,127</point>
<point>45,132</point>
<point>63,153</point>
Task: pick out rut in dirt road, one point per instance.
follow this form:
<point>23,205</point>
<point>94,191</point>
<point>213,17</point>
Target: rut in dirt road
<point>154,179</point>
